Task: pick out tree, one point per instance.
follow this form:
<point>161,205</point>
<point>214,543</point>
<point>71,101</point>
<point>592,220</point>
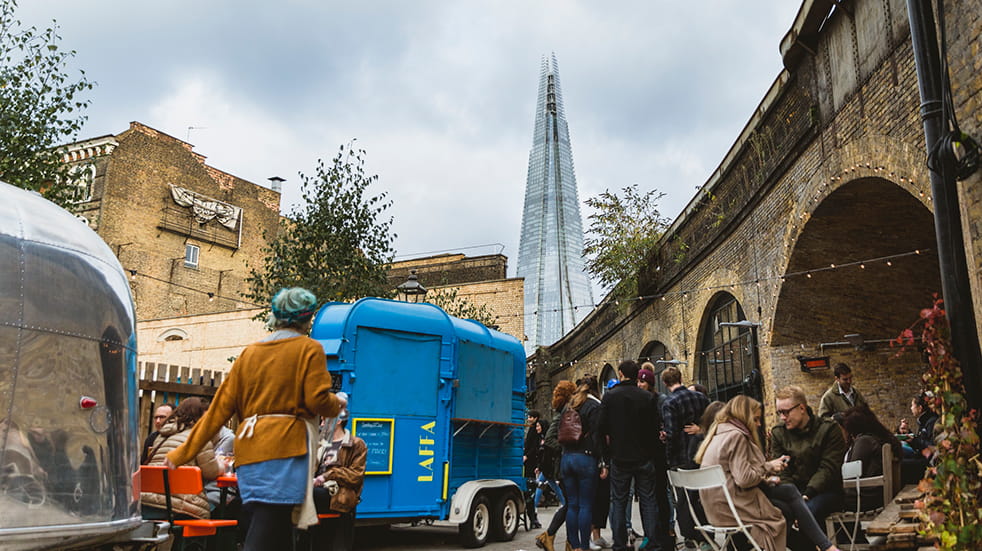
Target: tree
<point>335,243</point>
<point>623,230</point>
<point>40,107</point>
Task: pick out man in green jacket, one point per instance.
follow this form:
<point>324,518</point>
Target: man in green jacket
<point>841,395</point>
<point>816,448</point>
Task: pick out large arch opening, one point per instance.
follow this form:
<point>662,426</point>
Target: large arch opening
<point>727,362</point>
<point>865,219</point>
<point>870,300</point>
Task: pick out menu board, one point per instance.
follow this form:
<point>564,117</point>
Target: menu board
<point>378,436</point>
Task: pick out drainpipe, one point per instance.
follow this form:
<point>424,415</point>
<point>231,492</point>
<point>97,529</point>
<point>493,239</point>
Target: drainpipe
<point>955,284</point>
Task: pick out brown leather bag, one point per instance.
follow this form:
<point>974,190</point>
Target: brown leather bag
<point>570,427</point>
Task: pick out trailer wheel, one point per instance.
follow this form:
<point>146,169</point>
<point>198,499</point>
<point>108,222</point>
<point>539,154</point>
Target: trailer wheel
<point>504,523</point>
<point>474,532</point>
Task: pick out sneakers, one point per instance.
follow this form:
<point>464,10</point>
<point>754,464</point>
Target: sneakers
<point>545,541</point>
<point>594,546</point>
<point>599,543</point>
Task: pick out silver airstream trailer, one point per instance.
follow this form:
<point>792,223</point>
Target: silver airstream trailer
<point>68,421</point>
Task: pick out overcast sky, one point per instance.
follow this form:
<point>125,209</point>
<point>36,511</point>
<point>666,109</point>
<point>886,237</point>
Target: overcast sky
<point>440,94</point>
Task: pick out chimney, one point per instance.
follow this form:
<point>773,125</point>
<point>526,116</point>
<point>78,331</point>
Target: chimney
<point>276,183</point>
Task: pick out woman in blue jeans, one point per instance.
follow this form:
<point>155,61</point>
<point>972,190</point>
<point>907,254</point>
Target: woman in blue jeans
<point>580,467</point>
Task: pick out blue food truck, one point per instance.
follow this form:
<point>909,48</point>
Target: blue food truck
<point>440,402</point>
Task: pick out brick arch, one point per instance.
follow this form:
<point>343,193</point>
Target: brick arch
<point>652,352</point>
<point>865,218</point>
<point>735,348</point>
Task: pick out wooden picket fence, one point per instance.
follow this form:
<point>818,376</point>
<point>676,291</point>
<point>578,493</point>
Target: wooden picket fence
<point>163,383</point>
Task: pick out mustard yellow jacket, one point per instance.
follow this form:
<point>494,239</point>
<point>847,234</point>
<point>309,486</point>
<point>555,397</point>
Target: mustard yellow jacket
<point>286,377</point>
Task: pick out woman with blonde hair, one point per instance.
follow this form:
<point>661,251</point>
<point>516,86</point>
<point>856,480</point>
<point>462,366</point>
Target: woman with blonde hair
<point>733,442</point>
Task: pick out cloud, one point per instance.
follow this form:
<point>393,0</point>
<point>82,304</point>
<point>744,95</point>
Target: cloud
<point>440,94</point>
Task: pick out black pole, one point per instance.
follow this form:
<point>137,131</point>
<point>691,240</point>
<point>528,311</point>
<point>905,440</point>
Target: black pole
<point>955,286</point>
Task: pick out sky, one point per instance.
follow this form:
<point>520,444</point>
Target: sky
<point>440,94</point>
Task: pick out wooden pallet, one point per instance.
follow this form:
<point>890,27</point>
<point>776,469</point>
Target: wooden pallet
<point>898,525</point>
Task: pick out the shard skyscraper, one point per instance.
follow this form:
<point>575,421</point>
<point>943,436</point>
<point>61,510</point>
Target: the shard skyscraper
<point>550,258</point>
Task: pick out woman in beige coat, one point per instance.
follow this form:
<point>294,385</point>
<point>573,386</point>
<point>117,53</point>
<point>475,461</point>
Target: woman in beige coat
<point>733,443</point>
<point>175,432</point>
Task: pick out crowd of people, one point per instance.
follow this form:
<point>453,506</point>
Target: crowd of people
<point>784,481</point>
<point>294,456</point>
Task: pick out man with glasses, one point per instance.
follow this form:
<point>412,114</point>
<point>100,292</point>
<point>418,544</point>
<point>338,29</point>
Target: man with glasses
<point>160,415</point>
<point>816,448</point>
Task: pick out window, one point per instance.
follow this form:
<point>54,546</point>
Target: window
<point>727,358</point>
<point>191,256</point>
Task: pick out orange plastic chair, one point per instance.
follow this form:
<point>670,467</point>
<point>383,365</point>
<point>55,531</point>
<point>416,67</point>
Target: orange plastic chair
<point>182,480</point>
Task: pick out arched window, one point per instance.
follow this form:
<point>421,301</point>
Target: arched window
<point>656,353</point>
<point>727,357</point>
<point>607,374</point>
<point>173,334</point>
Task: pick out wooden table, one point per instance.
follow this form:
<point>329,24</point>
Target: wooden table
<point>897,525</point>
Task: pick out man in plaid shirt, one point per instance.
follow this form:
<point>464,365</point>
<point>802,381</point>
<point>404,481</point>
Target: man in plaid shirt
<point>682,407</point>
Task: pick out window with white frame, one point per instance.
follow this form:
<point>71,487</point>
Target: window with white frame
<point>191,255</point>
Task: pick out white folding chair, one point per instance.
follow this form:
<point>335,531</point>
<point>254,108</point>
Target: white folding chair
<point>851,520</point>
<point>703,479</point>
<point>852,473</point>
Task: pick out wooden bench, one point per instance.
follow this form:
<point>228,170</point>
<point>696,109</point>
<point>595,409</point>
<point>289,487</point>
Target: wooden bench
<point>159,479</point>
<point>897,526</point>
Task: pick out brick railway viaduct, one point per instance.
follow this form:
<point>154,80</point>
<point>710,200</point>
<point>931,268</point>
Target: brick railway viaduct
<point>817,224</point>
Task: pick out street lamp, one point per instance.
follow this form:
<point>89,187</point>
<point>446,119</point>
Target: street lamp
<point>411,290</point>
<point>671,362</point>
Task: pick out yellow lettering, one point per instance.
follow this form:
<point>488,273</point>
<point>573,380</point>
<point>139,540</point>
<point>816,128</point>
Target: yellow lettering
<point>428,427</point>
<point>427,464</point>
<point>426,441</point>
<point>423,452</point>
<point>424,478</point>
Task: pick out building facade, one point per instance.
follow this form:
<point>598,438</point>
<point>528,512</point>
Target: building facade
<point>814,238</point>
<point>558,294</point>
<point>481,280</point>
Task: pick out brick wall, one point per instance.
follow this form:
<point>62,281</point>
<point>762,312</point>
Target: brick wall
<point>134,199</point>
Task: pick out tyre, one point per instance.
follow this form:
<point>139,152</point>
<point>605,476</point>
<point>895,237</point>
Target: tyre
<point>474,532</point>
<point>504,520</point>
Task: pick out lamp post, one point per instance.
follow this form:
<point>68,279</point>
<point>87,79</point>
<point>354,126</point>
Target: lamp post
<point>411,290</point>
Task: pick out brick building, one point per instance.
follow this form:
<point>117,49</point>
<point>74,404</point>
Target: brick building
<point>187,233</point>
<point>482,280</point>
<point>817,224</point>
<point>185,230</point>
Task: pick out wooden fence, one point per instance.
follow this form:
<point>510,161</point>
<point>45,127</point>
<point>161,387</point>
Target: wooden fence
<point>163,383</point>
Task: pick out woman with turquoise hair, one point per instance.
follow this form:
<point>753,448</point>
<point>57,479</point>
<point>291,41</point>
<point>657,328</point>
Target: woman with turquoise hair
<point>277,387</point>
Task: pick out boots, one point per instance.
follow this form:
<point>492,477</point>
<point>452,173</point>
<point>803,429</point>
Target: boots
<point>569,547</point>
<point>534,519</point>
<point>545,541</point>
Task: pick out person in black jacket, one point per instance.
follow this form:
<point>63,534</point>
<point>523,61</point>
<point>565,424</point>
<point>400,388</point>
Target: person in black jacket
<point>631,421</point>
<point>914,462</point>
<point>582,466</point>
<point>533,446</point>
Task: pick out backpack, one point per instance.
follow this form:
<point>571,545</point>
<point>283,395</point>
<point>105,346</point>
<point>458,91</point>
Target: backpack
<point>570,427</point>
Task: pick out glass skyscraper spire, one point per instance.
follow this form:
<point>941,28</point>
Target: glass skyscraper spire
<point>558,294</point>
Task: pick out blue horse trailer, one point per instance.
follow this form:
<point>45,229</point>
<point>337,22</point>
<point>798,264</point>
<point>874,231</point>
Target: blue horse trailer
<point>440,402</point>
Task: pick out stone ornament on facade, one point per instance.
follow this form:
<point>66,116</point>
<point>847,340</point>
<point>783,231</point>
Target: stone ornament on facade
<point>205,209</point>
